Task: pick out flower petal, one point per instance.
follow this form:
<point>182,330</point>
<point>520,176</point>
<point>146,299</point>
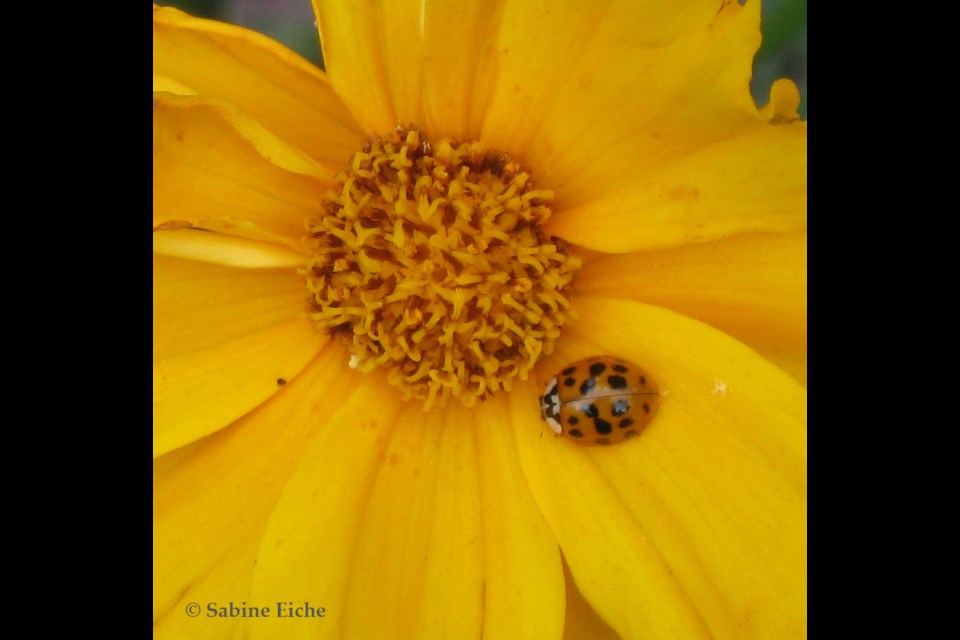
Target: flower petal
<point>622,69</point>
<point>402,47</point>
<point>203,246</point>
<point>351,36</point>
<point>263,78</point>
<point>428,63</point>
<point>420,526</point>
<point>197,393</point>
<point>198,305</point>
<point>581,621</point>
<point>523,586</point>
<point>418,564</point>
<point>784,102</point>
<point>213,165</point>
<point>753,287</point>
<point>212,498</point>
<point>663,146</point>
<point>696,529</point>
<point>163,84</point>
<point>226,581</point>
<point>753,181</point>
<point>309,543</point>
<point>459,65</point>
<point>535,35</point>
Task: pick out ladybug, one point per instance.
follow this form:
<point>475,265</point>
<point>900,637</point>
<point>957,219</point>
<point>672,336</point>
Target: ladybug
<point>601,400</point>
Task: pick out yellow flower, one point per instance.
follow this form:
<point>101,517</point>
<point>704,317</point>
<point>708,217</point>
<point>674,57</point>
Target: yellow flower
<point>298,494</point>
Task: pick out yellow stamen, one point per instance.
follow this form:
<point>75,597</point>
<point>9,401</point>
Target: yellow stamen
<point>430,261</point>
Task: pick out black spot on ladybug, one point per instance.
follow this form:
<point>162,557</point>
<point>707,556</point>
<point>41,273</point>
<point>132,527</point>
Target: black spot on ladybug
<point>597,368</point>
<point>281,382</point>
<point>569,382</point>
<point>617,382</point>
<point>643,381</point>
<point>573,420</point>
<point>646,408</point>
<point>626,422</point>
<point>620,407</point>
<point>630,434</point>
<point>602,426</point>
<point>588,386</point>
<point>568,371</point>
<point>591,411</point>
<point>619,368</point>
<point>576,433</point>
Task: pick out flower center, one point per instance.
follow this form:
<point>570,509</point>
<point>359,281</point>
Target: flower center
<point>430,261</point>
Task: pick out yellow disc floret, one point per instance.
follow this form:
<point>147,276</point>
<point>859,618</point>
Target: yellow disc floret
<point>430,261</point>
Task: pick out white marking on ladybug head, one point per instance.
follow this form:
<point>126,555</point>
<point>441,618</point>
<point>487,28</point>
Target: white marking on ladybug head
<point>557,428</point>
<point>550,406</point>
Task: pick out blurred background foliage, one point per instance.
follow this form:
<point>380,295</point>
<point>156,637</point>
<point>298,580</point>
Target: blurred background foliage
<point>782,55</point>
